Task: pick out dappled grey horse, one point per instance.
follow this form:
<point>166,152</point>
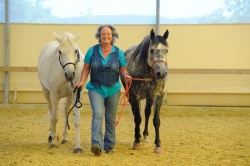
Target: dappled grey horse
<point>147,61</point>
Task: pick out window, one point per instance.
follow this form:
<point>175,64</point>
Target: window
<point>204,11</point>
<point>127,12</point>
<point>2,11</point>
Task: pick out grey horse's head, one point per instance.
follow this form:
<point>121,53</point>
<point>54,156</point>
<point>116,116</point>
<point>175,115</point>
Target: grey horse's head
<point>157,53</point>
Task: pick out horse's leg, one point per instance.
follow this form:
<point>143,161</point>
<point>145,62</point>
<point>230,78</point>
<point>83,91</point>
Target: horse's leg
<point>77,123</point>
<point>157,122</point>
<point>137,121</point>
<point>66,110</point>
<point>54,119</point>
<point>149,103</point>
<point>46,94</point>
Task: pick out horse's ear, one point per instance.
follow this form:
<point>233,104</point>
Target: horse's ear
<point>58,38</point>
<point>77,37</point>
<point>165,36</point>
<point>152,34</point>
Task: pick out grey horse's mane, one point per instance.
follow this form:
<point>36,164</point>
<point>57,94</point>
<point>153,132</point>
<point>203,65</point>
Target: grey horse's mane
<point>141,51</point>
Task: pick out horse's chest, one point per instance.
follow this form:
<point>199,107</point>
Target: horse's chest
<point>145,89</point>
<point>63,90</point>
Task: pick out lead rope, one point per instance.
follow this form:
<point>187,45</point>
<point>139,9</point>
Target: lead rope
<point>125,97</point>
<point>78,95</point>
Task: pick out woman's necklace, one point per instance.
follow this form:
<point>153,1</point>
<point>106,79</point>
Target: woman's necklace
<point>106,50</point>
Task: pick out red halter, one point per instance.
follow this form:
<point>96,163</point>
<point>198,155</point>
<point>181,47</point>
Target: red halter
<point>153,61</point>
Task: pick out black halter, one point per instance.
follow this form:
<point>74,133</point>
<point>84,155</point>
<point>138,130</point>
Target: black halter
<point>75,64</point>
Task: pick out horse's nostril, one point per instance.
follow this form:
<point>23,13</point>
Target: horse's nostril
<point>161,75</point>
<point>70,77</point>
<point>158,74</point>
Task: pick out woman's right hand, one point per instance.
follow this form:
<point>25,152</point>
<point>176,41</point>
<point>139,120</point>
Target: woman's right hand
<point>79,84</point>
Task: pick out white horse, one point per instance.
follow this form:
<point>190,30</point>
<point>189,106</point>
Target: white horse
<point>59,69</point>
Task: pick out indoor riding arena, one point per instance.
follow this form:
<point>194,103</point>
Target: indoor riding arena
<point>205,113</point>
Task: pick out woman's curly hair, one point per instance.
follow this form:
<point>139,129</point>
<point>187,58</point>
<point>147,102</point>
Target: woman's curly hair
<point>113,30</point>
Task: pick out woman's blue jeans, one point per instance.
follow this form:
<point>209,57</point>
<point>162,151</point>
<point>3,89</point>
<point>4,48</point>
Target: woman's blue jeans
<point>103,107</point>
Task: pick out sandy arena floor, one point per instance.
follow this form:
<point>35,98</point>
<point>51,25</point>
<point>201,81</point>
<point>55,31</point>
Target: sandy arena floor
<point>190,136</point>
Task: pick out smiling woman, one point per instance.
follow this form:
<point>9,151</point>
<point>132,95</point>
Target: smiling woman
<point>127,12</point>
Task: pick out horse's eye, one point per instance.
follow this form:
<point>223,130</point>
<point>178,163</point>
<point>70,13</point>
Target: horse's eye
<point>60,52</point>
<point>76,51</point>
<point>151,51</point>
<point>164,51</point>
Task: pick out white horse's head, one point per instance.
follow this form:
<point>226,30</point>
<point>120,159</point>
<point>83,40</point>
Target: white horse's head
<point>69,54</point>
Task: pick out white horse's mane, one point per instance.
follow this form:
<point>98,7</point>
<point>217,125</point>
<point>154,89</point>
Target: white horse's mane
<point>67,37</point>
<point>67,34</point>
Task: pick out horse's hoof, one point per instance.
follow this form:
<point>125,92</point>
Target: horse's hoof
<point>146,142</point>
<point>77,150</point>
<point>158,150</point>
<point>65,141</point>
<point>53,145</point>
<point>137,146</point>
